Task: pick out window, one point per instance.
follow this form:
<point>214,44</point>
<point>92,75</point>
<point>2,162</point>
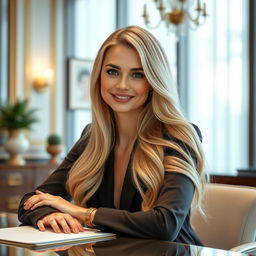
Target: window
<point>218,84</point>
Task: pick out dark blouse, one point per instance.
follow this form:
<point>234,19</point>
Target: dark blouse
<point>168,220</point>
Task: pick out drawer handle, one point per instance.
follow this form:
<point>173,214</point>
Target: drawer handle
<point>14,179</point>
<point>13,202</point>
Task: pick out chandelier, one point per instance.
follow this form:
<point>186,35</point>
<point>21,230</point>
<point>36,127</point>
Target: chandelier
<point>176,13</point>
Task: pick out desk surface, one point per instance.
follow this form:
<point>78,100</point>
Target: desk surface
<point>122,247</point>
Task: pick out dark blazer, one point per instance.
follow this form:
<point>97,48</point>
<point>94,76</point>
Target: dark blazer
<point>168,220</point>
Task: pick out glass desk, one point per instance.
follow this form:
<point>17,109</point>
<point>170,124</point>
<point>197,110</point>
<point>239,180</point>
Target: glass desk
<point>120,246</point>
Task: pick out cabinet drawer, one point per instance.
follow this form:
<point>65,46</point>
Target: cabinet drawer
<point>16,181</point>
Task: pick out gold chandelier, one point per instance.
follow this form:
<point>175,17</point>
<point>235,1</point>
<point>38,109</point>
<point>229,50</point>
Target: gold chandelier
<point>175,13</point>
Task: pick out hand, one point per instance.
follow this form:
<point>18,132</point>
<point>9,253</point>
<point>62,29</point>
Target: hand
<point>40,199</point>
<point>60,222</point>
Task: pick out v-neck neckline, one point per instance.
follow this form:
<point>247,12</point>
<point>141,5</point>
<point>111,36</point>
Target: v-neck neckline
<point>106,193</point>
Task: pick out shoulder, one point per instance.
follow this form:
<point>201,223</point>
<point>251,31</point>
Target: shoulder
<point>168,136</point>
<point>171,151</point>
<point>198,131</point>
<point>86,131</point>
<point>83,140</point>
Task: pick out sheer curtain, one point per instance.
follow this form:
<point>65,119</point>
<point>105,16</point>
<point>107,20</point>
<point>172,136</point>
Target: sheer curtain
<point>218,84</point>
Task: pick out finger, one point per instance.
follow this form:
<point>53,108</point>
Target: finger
<point>79,225</point>
<point>54,226</point>
<point>29,200</point>
<point>29,204</point>
<point>32,198</point>
<point>73,223</point>
<point>40,225</point>
<point>41,203</point>
<point>63,224</point>
<point>38,192</point>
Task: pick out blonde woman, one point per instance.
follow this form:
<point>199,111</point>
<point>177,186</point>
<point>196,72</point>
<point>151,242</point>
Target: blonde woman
<point>139,165</point>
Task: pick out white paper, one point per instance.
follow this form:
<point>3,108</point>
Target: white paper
<point>27,235</point>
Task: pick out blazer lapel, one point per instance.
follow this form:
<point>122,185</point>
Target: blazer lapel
<point>128,191</point>
<point>106,190</point>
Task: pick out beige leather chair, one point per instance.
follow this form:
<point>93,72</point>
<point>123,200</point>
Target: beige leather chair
<point>230,219</point>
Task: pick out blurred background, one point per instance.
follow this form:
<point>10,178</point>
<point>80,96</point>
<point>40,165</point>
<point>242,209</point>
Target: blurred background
<point>44,44</point>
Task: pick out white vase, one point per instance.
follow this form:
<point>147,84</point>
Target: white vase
<point>16,145</point>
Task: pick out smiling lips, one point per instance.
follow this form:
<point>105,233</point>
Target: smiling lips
<point>122,97</point>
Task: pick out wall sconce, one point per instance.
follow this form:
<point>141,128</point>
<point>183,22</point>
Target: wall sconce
<point>42,81</point>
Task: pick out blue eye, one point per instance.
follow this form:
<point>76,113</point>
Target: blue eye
<point>112,72</point>
<point>138,75</point>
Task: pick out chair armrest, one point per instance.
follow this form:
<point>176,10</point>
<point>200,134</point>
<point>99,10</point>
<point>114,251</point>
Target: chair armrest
<point>245,248</point>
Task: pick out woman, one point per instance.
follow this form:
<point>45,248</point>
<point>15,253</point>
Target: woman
<point>138,165</point>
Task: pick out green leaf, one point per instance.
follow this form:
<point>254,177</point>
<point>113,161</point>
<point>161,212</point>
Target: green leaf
<point>17,115</point>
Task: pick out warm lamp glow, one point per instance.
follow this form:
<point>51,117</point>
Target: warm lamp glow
<point>43,80</point>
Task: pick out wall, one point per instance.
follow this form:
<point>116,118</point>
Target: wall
<point>37,42</point>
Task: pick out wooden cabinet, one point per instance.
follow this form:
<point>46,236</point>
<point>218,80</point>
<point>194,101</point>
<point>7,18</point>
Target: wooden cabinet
<point>15,181</point>
<point>249,180</point>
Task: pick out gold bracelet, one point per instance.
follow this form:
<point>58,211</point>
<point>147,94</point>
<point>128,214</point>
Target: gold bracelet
<point>88,214</point>
<point>90,218</point>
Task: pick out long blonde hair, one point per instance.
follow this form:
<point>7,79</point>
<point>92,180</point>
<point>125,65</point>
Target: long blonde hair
<point>162,113</point>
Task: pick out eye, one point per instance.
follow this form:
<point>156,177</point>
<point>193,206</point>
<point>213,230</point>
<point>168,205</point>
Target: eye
<point>138,75</point>
<point>112,72</point>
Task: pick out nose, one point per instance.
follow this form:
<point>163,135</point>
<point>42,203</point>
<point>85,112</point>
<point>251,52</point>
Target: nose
<point>123,83</point>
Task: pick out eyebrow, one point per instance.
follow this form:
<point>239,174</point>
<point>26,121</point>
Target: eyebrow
<point>117,67</point>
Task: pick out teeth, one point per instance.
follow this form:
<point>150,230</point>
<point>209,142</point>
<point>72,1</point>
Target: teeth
<point>122,97</point>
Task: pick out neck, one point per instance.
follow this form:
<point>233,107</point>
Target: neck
<point>126,130</point>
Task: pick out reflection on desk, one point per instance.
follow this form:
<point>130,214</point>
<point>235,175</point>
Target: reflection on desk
<point>121,247</point>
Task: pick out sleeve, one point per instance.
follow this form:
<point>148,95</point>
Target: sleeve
<point>54,184</point>
<point>163,222</point>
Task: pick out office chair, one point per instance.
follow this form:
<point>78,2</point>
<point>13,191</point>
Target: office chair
<point>246,248</point>
<point>230,219</point>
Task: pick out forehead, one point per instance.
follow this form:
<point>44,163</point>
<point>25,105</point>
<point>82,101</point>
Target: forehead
<point>122,53</point>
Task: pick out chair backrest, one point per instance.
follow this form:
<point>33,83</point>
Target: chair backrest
<point>230,216</point>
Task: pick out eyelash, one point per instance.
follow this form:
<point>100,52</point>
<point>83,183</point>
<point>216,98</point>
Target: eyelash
<point>135,75</point>
<point>114,72</point>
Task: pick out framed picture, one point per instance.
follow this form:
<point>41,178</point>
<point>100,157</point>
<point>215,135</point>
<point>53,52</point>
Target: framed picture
<point>79,74</point>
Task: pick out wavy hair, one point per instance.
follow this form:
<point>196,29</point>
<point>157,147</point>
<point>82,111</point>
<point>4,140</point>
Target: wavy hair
<point>160,115</point>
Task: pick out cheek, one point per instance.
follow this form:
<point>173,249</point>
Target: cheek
<point>105,82</point>
<point>103,86</point>
<point>145,89</point>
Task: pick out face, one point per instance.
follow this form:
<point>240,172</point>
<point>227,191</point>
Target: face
<point>124,86</point>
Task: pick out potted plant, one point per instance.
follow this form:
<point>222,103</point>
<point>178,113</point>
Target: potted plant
<point>54,148</point>
<point>15,117</point>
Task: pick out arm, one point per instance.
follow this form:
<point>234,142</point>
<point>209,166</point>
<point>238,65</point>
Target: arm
<point>54,184</point>
<point>164,221</point>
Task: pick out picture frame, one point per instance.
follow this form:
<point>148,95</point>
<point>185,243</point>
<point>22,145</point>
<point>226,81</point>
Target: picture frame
<point>79,75</point>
